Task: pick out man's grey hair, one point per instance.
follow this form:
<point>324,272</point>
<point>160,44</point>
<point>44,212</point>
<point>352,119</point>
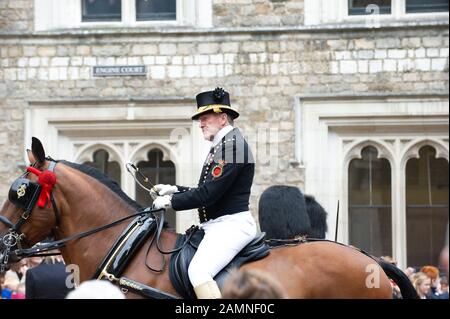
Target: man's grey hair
<point>230,119</point>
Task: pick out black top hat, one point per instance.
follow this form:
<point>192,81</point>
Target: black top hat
<point>216,101</point>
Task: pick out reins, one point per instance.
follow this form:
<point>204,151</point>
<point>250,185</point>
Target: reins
<point>35,251</point>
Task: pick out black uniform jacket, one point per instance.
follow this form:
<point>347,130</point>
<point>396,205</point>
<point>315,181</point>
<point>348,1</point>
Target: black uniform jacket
<point>225,181</point>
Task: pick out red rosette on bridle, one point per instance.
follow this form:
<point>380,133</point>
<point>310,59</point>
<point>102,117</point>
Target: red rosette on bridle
<point>47,180</point>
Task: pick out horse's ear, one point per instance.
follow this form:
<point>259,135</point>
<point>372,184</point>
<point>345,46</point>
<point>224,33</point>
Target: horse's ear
<point>31,158</point>
<point>38,151</point>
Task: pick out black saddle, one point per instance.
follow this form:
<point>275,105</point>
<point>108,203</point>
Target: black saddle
<point>179,263</point>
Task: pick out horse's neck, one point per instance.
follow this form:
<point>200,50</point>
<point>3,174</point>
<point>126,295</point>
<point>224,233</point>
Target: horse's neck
<point>90,205</point>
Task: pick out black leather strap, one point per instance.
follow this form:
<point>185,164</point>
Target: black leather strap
<point>147,291</point>
<point>6,221</point>
<point>22,253</point>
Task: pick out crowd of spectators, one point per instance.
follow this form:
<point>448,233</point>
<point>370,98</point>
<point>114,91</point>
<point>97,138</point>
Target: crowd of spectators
<point>35,278</point>
<point>429,281</point>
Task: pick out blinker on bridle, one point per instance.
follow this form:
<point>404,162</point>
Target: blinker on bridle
<point>25,194</point>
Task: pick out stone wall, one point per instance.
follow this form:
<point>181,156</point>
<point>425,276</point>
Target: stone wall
<point>244,13</point>
<point>16,16</point>
<point>263,71</point>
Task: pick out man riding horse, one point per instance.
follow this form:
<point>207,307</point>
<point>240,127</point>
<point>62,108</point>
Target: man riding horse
<point>222,195</point>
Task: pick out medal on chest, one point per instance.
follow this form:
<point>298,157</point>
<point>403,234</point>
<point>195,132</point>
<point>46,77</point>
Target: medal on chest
<point>218,169</point>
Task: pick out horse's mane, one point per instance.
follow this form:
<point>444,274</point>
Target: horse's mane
<point>105,180</point>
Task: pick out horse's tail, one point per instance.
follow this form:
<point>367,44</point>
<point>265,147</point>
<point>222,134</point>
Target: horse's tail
<point>399,277</point>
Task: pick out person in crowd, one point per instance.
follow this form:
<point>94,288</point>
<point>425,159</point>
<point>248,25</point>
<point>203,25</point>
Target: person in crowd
<point>20,292</point>
<point>422,284</point>
<point>251,284</point>
<point>2,283</point>
<point>443,258</point>
<point>410,271</point>
<point>317,217</point>
<point>96,289</point>
<point>443,291</point>
<point>47,280</point>
<point>10,283</point>
<point>433,273</point>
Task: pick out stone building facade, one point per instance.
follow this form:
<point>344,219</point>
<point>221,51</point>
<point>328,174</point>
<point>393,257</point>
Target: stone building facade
<point>315,87</point>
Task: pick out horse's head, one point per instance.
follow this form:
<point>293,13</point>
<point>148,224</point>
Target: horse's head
<point>30,212</point>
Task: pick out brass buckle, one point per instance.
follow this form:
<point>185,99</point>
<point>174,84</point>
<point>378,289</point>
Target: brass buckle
<point>25,215</point>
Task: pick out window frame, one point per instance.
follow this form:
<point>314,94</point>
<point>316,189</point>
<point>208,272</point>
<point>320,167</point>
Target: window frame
<point>429,207</point>
<point>67,14</point>
<point>348,9</point>
<point>331,130</point>
<point>87,16</point>
<point>419,12</point>
<point>318,12</point>
<point>398,12</point>
<point>352,207</point>
<point>129,17</point>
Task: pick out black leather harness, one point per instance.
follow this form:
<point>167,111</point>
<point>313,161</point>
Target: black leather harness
<point>121,253</point>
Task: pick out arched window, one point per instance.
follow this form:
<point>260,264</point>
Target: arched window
<point>369,208</point>
<point>100,162</point>
<point>159,172</point>
<point>426,207</point>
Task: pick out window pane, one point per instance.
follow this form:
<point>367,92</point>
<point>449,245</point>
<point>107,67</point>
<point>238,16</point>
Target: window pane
<point>370,229</point>
<point>426,207</point>
<point>361,7</point>
<point>110,169</point>
<point>369,179</point>
<point>159,172</point>
<point>413,6</point>
<point>147,10</point>
<point>359,182</point>
<point>426,229</point>
<point>370,203</point>
<point>427,184</point>
<point>101,10</point>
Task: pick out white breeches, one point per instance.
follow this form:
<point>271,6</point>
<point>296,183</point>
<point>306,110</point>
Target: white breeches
<point>224,238</point>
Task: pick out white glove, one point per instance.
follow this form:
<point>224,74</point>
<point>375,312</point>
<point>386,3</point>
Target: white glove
<point>162,202</point>
<point>163,189</point>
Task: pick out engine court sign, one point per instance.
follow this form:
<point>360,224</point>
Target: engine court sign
<point>119,70</point>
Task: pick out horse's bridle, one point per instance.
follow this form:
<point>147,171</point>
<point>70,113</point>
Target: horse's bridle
<point>24,194</point>
<point>14,240</point>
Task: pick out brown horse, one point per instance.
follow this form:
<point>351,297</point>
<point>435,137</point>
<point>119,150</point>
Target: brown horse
<point>82,202</point>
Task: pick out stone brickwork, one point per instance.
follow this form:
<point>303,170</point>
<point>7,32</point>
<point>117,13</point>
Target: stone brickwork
<point>17,15</point>
<point>262,70</point>
<point>245,13</point>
